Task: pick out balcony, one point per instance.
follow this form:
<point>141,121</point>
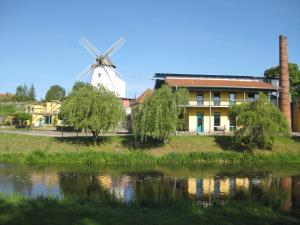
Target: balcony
<point>216,102</point>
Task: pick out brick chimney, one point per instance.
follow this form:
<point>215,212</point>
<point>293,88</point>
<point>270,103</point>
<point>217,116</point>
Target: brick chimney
<point>284,82</point>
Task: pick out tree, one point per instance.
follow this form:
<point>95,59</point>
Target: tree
<point>24,94</point>
<point>31,93</point>
<point>294,73</point>
<point>21,93</point>
<point>22,119</point>
<point>160,114</point>
<point>258,123</point>
<point>94,109</point>
<point>55,92</point>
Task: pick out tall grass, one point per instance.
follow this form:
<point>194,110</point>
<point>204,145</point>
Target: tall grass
<point>144,158</point>
<point>16,209</point>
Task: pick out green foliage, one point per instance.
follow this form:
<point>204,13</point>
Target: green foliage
<point>55,92</point>
<point>7,110</point>
<point>258,123</point>
<point>294,73</point>
<point>21,118</point>
<point>94,109</point>
<point>24,94</point>
<point>160,114</point>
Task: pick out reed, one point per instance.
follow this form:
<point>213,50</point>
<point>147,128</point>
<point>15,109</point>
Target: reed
<point>144,158</point>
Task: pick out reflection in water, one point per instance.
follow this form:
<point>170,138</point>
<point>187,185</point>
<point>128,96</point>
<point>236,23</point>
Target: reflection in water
<point>149,186</point>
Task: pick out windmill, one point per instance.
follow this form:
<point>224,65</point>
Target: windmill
<point>103,70</point>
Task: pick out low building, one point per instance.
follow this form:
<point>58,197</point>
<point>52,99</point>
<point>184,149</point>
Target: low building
<point>210,97</point>
<point>45,113</point>
<point>146,94</point>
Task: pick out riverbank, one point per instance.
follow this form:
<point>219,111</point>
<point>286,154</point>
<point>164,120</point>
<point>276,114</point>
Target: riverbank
<point>15,209</point>
<point>119,150</point>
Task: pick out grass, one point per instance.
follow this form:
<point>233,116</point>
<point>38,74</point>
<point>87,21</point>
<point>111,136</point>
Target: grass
<point>116,150</point>
<point>16,209</point>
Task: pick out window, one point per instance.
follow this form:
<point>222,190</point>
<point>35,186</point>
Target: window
<point>200,99</point>
<point>232,125</point>
<point>217,120</point>
<point>99,75</point>
<point>252,96</point>
<point>48,119</point>
<point>217,99</point>
<point>232,98</point>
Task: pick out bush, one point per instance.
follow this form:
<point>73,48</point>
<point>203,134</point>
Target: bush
<point>258,123</point>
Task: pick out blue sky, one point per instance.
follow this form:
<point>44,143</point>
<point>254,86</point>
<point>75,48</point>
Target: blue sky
<point>39,39</point>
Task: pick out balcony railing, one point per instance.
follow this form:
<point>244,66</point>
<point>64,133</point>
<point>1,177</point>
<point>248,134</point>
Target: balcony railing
<point>217,102</point>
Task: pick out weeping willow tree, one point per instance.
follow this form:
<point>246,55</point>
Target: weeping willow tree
<point>258,122</point>
<point>94,109</point>
<point>160,114</point>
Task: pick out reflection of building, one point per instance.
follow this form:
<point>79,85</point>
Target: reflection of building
<point>192,182</point>
<point>224,187</point>
<point>208,186</point>
<point>120,187</point>
<point>44,114</point>
<point>105,181</point>
<point>242,183</point>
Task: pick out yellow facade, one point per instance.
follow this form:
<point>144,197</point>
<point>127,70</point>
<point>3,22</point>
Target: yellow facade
<point>44,114</point>
<point>208,108</point>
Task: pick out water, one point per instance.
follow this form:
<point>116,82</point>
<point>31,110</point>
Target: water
<point>206,186</point>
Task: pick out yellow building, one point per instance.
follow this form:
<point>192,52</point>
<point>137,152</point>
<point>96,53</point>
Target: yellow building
<point>210,97</point>
<point>44,114</point>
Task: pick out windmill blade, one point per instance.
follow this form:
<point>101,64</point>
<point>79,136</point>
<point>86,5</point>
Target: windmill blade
<point>116,46</point>
<point>84,73</point>
<point>88,46</point>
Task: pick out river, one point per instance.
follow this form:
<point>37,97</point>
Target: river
<point>206,186</point>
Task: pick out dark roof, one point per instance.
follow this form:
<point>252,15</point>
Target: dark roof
<point>163,75</point>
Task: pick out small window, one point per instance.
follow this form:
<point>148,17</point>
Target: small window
<point>200,99</point>
<point>217,120</point>
<point>232,98</point>
<point>99,75</point>
<point>251,97</point>
<point>217,98</point>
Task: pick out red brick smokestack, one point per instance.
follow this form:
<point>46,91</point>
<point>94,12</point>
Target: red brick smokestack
<point>284,82</point>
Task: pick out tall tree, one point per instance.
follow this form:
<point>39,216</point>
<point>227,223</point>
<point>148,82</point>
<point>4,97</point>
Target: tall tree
<point>21,93</point>
<point>31,93</point>
<point>55,92</point>
<point>258,123</point>
<point>160,114</point>
<point>294,72</point>
<point>94,109</point>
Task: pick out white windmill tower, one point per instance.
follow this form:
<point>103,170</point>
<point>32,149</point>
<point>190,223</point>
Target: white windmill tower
<point>103,71</point>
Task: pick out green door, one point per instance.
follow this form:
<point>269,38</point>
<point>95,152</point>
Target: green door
<point>200,121</point>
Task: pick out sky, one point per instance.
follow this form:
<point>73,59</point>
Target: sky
<point>39,40</point>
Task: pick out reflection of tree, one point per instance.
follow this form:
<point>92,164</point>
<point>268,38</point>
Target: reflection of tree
<point>82,186</point>
<point>159,188</point>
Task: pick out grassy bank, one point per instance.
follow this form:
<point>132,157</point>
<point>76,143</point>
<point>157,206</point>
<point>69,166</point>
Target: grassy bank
<point>21,210</point>
<point>192,150</point>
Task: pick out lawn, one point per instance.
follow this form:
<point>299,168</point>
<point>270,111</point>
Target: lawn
<point>114,150</point>
<point>21,210</point>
